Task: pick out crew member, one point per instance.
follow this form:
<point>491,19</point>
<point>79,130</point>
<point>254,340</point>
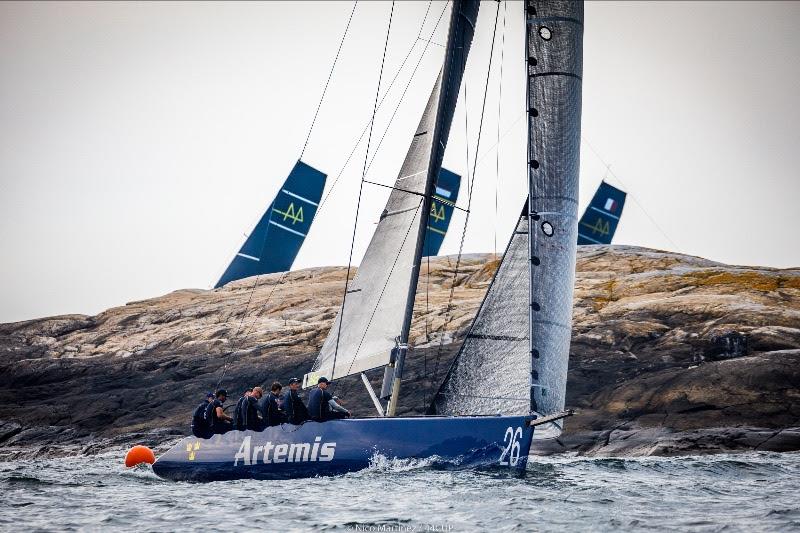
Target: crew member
<point>271,414</point>
<point>215,415</point>
<point>200,428</point>
<point>335,406</point>
<point>250,418</point>
<point>319,403</point>
<point>293,406</point>
<point>238,411</point>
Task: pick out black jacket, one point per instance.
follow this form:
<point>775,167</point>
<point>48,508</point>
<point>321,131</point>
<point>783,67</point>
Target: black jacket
<point>271,414</point>
<point>200,427</point>
<point>295,409</point>
<point>238,413</point>
<point>250,415</point>
<point>318,406</point>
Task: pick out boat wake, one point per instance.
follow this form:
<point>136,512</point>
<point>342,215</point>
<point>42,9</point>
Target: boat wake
<point>382,464</point>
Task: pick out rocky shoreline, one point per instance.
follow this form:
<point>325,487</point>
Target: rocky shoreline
<point>671,355</point>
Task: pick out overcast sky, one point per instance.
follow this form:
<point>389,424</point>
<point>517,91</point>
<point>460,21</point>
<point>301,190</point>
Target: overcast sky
<point>139,142</point>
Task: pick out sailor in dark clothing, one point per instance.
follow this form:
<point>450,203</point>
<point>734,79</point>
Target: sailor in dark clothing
<point>250,418</point>
<point>215,415</point>
<point>238,412</point>
<point>293,406</point>
<point>319,403</point>
<point>271,414</point>
<point>200,428</point>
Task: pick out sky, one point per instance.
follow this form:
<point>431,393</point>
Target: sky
<point>140,142</point>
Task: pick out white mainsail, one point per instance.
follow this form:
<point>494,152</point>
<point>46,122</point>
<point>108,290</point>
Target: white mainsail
<point>376,311</point>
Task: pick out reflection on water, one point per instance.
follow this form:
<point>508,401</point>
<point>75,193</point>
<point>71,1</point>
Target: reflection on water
<point>743,492</point>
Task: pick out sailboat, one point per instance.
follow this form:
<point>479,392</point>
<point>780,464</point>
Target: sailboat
<point>601,218</point>
<point>443,203</point>
<point>276,240</point>
<point>508,380</point>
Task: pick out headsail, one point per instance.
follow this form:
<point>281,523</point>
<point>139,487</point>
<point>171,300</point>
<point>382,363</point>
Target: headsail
<point>275,241</point>
<point>495,351</point>
<point>534,284</point>
<point>375,310</point>
<point>600,220</point>
<point>445,196</point>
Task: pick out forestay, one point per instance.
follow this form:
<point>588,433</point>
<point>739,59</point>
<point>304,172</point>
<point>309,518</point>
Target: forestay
<point>375,306</point>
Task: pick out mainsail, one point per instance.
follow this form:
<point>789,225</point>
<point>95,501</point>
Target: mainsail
<point>525,319</point>
<point>600,220</point>
<point>275,241</point>
<point>375,314</point>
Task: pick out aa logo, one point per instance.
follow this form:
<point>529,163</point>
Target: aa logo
<point>437,213</point>
<point>603,227</point>
<point>191,449</point>
<point>295,215</point>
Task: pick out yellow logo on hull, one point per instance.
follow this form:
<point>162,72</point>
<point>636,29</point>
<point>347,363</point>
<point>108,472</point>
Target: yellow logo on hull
<point>191,449</point>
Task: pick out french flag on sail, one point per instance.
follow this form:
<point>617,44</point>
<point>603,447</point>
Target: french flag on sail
<point>443,192</point>
<point>611,205</point>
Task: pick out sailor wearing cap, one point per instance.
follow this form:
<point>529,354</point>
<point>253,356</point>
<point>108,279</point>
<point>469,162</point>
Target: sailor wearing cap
<point>293,406</point>
<point>319,403</point>
<point>215,415</point>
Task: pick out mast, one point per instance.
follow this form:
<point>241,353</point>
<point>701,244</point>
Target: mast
<point>518,344</point>
<point>554,58</point>
<point>459,38</point>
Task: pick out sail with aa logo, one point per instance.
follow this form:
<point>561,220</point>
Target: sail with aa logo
<point>443,203</point>
<point>275,241</point>
<point>600,220</point>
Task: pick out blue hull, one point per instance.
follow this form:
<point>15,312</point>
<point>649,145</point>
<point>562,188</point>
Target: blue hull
<point>342,446</point>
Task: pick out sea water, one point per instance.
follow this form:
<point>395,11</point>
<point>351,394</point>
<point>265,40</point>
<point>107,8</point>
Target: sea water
<point>746,492</point>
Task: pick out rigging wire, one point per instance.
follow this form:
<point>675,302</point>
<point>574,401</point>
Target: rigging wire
<point>470,188</point>
<point>330,75</point>
<point>255,318</point>
<point>305,145</point>
<point>389,88</point>
<point>361,190</point>
<point>609,171</point>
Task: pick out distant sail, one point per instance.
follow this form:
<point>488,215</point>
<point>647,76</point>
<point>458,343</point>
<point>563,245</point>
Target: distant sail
<point>444,198</point>
<point>275,241</point>
<point>600,220</point>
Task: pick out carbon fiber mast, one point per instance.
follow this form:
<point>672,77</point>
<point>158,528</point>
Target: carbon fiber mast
<point>518,345</point>
<point>554,52</point>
